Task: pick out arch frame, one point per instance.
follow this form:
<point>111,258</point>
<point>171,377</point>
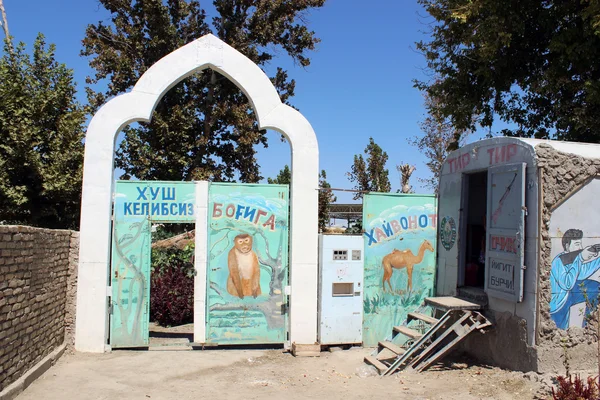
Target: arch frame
<point>93,290</point>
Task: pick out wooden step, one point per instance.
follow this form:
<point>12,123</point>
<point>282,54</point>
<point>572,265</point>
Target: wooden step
<point>392,347</point>
<point>376,363</point>
<point>411,333</point>
<point>423,317</point>
<point>452,303</point>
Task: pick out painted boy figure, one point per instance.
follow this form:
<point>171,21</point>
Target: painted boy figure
<point>569,278</point>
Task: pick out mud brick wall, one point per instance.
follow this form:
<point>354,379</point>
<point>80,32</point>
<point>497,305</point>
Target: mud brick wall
<point>37,296</point>
<point>71,292</point>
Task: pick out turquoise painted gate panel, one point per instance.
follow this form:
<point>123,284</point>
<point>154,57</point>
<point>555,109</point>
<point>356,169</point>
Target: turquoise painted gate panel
<point>136,205</point>
<point>247,263</point>
<point>400,242</point>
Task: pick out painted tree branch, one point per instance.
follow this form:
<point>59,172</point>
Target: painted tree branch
<point>270,308</point>
<point>121,247</point>
<point>272,261</point>
<point>216,288</point>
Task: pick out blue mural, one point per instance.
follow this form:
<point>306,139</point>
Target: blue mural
<point>569,278</point>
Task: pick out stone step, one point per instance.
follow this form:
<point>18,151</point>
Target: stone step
<point>170,348</point>
<point>475,295</point>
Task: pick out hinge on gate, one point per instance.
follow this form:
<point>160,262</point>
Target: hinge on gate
<point>109,298</point>
<point>524,208</point>
<point>524,267</point>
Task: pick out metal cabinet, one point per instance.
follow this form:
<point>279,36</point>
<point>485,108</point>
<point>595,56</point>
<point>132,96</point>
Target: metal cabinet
<point>340,289</point>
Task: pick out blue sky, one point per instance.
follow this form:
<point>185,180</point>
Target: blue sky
<point>359,83</point>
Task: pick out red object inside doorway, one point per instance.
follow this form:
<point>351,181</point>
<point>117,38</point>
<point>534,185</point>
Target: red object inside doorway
<point>471,270</point>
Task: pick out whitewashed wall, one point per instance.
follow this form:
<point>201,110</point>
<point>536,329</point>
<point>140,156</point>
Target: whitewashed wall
<point>478,157</point>
<point>580,211</point>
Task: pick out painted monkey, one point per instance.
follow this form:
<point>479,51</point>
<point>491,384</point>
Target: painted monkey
<point>244,271</point>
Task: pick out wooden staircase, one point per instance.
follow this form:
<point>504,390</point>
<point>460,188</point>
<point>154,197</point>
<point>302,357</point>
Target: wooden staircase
<point>426,346</point>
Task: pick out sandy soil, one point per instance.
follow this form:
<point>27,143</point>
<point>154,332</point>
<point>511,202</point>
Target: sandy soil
<point>255,374</point>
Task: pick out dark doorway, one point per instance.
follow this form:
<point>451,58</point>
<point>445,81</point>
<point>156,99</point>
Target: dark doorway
<point>473,227</point>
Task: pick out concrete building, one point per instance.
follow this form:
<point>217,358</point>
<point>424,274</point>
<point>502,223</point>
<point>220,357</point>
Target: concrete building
<point>518,231</point>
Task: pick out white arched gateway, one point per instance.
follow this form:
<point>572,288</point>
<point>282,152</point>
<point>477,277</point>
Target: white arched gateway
<point>98,180</point>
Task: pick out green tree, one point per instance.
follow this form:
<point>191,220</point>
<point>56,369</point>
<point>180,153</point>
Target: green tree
<point>204,127</point>
<point>370,175</point>
<point>437,139</point>
<point>41,132</point>
<point>534,64</point>
<point>284,177</point>
<point>326,197</point>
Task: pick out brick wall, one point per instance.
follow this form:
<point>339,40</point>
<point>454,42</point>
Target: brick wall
<point>38,276</point>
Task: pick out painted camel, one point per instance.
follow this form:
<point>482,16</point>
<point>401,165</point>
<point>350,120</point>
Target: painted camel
<point>399,259</point>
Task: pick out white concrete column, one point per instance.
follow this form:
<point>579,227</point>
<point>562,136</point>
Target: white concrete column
<point>201,261</point>
<point>304,223</point>
<point>304,250</point>
<point>91,324</point>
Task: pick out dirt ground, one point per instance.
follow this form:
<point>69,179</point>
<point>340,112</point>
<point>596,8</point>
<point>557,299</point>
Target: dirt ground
<point>255,374</point>
<point>170,336</point>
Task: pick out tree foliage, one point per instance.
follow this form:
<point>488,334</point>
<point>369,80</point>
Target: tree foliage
<point>326,197</point>
<point>204,127</point>
<point>531,63</point>
<point>284,177</point>
<point>41,132</point>
<point>370,175</point>
<point>438,138</point>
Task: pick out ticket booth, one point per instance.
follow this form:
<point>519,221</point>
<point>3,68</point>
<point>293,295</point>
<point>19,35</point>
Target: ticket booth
<point>513,221</point>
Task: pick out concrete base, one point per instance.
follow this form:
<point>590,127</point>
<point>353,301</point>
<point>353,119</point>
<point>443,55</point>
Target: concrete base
<point>306,350</point>
<point>504,345</point>
<point>18,386</point>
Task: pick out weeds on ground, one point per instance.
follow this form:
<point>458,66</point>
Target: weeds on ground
<point>569,388</point>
